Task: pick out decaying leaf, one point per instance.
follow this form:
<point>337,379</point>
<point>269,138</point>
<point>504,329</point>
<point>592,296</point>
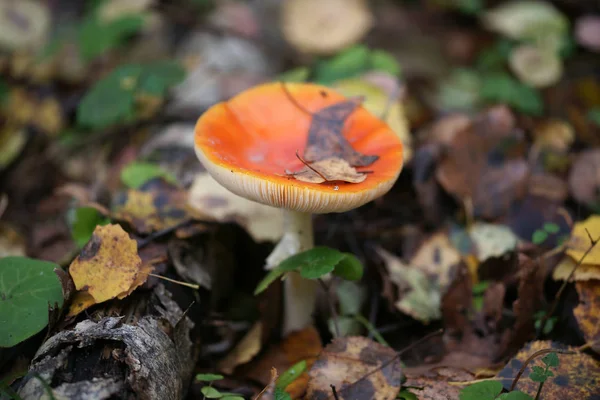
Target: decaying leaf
<point>244,351</point>
<point>576,377</point>
<point>492,240</point>
<point>109,265</point>
<point>209,198</point>
<point>156,205</point>
<point>358,367</point>
<point>435,385</point>
<point>580,240</point>
<point>588,312</point>
<point>420,296</point>
<point>329,170</point>
<point>324,27</point>
<point>295,347</point>
<point>584,178</point>
<point>326,136</point>
<point>584,272</point>
<point>436,257</point>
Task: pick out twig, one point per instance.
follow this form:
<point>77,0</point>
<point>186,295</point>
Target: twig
<point>294,101</point>
<point>539,391</point>
<point>308,165</point>
<point>334,315</point>
<point>335,395</point>
<point>190,285</point>
<point>564,285</point>
<point>531,357</point>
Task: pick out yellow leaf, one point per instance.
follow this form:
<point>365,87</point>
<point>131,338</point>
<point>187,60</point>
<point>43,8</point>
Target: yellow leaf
<point>583,273</point>
<point>81,301</point>
<point>587,312</point>
<point>580,240</point>
<point>108,264</point>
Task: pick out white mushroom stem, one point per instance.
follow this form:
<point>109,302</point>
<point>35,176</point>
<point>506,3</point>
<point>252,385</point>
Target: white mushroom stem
<point>299,293</point>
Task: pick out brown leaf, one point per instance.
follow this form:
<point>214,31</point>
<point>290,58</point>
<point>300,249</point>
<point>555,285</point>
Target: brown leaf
<point>435,385</point>
<point>576,377</point>
<point>244,351</point>
<point>331,169</point>
<point>295,347</point>
<point>587,312</point>
<point>326,137</point>
<point>358,367</point>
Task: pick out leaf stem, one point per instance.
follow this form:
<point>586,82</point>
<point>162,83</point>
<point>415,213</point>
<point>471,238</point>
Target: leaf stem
<point>533,356</point>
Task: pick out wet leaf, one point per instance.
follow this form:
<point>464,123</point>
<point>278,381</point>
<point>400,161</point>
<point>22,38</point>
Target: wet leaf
<point>587,312</point>
<point>28,288</point>
<point>576,377</point>
<point>580,240</point>
<point>487,390</point>
<point>329,170</point>
<point>210,199</point>
<point>421,297</point>
<point>108,264</point>
<point>358,368</point>
<point>83,221</point>
<point>137,173</point>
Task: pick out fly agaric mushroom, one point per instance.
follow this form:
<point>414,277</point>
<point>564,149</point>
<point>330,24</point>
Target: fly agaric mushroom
<point>250,144</point>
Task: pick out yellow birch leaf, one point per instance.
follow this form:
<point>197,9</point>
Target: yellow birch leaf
<point>81,301</point>
<point>580,240</point>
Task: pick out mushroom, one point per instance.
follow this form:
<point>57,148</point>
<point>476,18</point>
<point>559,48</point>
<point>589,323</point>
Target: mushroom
<point>251,142</point>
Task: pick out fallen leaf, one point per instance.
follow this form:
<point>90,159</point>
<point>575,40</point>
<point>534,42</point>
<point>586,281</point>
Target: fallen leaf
<point>420,296</point>
<point>358,367</point>
<point>318,27</point>
<point>244,351</point>
<point>587,312</point>
<point>436,257</point>
<point>435,385</point>
<point>295,347</point>
<point>536,67</point>
<point>329,170</point>
<point>587,32</point>
<point>576,377</point>
<point>211,199</point>
<point>108,265</point>
<point>580,240</point>
<point>584,272</point>
<point>584,178</point>
<point>155,206</point>
<point>80,302</point>
<point>492,240</point>
<point>377,101</point>
<point>554,134</point>
<point>326,136</point>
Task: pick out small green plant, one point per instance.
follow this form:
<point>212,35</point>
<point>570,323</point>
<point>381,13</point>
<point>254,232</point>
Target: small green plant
<point>540,235</point>
<point>209,392</point>
<point>492,390</point>
<point>548,326</point>
<point>478,291</point>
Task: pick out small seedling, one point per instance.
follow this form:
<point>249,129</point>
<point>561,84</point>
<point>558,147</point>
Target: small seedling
<point>540,235</point>
<point>548,326</point>
<point>209,392</point>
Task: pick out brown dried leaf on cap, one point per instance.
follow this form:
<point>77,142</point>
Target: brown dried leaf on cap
<point>325,27</point>
<point>209,198</point>
<point>584,178</point>
<point>587,312</point>
<point>329,170</point>
<point>358,367</point>
<point>576,377</point>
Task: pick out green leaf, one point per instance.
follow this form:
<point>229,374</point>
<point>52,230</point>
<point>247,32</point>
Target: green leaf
<point>110,100</point>
<point>346,64</point>
<point>593,115</point>
<point>495,57</point>
<point>480,287</point>
<point>272,276</point>
<point>83,221</point>
<point>487,390</point>
<point>551,360</point>
<point>502,88</point>
<point>478,303</point>
<point>232,397</point>
<point>97,37</point>
<point>137,173</point>
<point>314,263</point>
<point>406,395</point>
<point>27,288</point>
<point>351,297</point>
<point>281,394</point>
<point>349,268</point>
<point>383,61</point>
<point>551,227</point>
<point>291,374</point>
<point>539,236</point>
<point>538,374</point>
<point>515,395</point>
<point>209,377</point>
<point>299,74</point>
<point>211,393</point>
<point>160,76</point>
